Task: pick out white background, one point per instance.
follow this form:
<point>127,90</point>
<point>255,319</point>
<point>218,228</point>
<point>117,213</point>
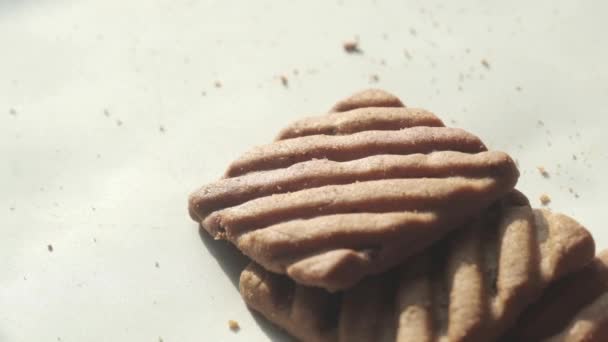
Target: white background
<point>109,192</point>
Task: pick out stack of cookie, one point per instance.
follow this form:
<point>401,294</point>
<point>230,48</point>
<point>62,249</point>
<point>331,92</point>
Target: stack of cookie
<point>376,222</point>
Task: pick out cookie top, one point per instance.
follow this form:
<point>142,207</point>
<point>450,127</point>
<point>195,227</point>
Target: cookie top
<point>471,286</point>
<point>352,193</point>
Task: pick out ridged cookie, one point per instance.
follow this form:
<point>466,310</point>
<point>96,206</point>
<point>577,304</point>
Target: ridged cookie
<point>471,286</point>
<point>573,309</point>
<point>338,197</point>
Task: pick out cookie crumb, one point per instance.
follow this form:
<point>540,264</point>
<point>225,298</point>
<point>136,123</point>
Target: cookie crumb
<point>485,63</point>
<point>106,112</point>
<point>50,248</point>
<point>234,325</point>
<point>284,81</point>
<point>12,112</point>
<point>203,93</point>
<point>217,84</point>
<point>545,199</point>
<point>118,122</point>
<point>374,78</point>
<point>157,265</point>
<point>351,46</point>
<point>407,54</point>
<point>574,157</point>
<point>543,171</point>
<point>162,129</point>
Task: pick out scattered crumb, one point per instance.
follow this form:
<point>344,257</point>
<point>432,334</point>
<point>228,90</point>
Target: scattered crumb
<point>11,208</point>
<point>106,112</point>
<point>543,171</point>
<point>412,31</point>
<point>407,54</point>
<point>157,265</point>
<point>50,248</point>
<point>233,325</point>
<point>160,339</point>
<point>540,123</point>
<point>93,208</point>
<point>95,240</point>
<point>485,64</point>
<point>374,78</point>
<point>217,84</point>
<point>351,46</point>
<point>162,129</point>
<point>12,112</point>
<point>203,93</point>
<point>545,199</point>
<point>118,122</point>
<point>518,88</point>
<point>284,81</point>
<point>574,157</point>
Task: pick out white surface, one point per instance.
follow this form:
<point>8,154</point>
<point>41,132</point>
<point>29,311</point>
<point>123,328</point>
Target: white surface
<point>70,176</point>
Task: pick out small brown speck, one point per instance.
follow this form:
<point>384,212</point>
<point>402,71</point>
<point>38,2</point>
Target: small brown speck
<point>407,54</point>
<point>284,81</point>
<point>93,208</point>
<point>160,339</point>
<point>203,93</point>
<point>11,208</point>
<point>217,84</point>
<point>540,123</point>
<point>543,172</point>
<point>574,157</point>
<point>412,31</point>
<point>234,325</point>
<point>12,112</point>
<point>50,248</point>
<point>95,240</point>
<point>545,199</point>
<point>118,122</point>
<point>106,112</point>
<point>382,62</point>
<point>518,88</point>
<point>296,72</point>
<point>162,129</point>
<point>485,63</point>
<point>374,78</point>
<point>157,265</point>
<point>351,46</point>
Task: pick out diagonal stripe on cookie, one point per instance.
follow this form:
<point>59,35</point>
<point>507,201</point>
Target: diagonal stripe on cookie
<point>470,287</point>
<point>573,309</point>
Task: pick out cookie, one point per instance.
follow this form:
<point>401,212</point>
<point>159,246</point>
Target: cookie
<point>471,286</point>
<point>573,309</point>
<point>338,197</point>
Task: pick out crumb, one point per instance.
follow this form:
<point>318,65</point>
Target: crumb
<point>98,155</point>
<point>459,88</point>
<point>118,122</point>
<point>485,64</point>
<point>382,62</point>
<point>543,171</point>
<point>95,240</point>
<point>296,72</point>
<point>351,46</point>
<point>407,54</point>
<point>545,199</point>
<point>160,339</point>
<point>106,112</point>
<point>540,123</point>
<point>233,325</point>
<point>162,129</point>
<point>385,36</point>
<point>217,84</point>
<point>11,208</point>
<point>518,88</point>
<point>574,157</point>
<point>467,50</point>
<point>374,78</point>
<point>412,31</point>
<point>203,93</point>
<point>284,81</point>
<point>157,265</point>
<point>12,112</point>
<point>93,208</point>
<point>50,248</point>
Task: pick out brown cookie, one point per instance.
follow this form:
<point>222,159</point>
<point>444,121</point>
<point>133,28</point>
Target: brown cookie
<point>471,286</point>
<point>352,193</point>
<point>573,309</point>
